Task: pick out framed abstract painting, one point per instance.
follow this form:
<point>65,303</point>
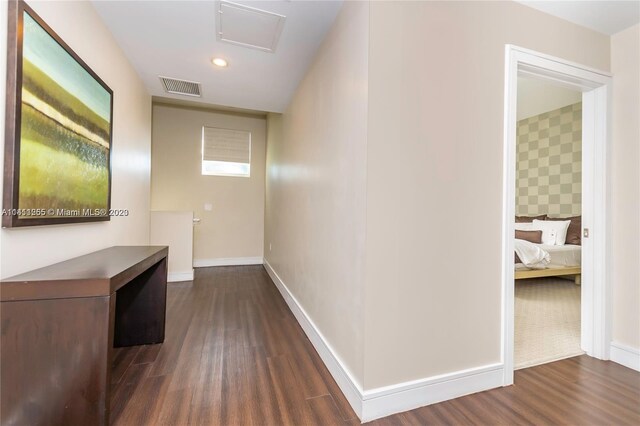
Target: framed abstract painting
<point>58,131</point>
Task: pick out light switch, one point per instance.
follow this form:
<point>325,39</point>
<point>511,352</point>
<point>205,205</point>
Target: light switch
<point>208,207</point>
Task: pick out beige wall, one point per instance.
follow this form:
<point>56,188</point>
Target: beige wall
<point>79,25</point>
<point>274,146</point>
<point>315,206</point>
<point>434,178</point>
<point>234,228</point>
<point>175,230</point>
<point>625,181</point>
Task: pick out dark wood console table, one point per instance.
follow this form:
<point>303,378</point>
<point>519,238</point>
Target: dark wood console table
<point>60,323</point>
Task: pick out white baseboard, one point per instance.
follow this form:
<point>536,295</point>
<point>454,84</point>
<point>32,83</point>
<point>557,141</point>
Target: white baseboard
<point>407,396</point>
<point>347,384</point>
<point>625,355</point>
<point>381,402</point>
<point>227,261</point>
<point>173,277</point>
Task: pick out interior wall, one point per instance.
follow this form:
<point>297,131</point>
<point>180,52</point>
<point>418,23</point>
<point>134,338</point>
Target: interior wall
<point>434,178</point>
<point>549,163</point>
<point>625,181</point>
<point>79,26</point>
<point>175,230</point>
<point>316,189</point>
<point>274,145</point>
<point>234,227</point>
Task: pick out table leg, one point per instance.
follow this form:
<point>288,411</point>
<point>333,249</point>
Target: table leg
<point>141,308</point>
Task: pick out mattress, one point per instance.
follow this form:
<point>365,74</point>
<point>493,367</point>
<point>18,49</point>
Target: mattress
<point>561,256</point>
<point>566,255</point>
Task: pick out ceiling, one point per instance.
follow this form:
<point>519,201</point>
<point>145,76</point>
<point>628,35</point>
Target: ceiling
<point>607,17</point>
<point>537,96</point>
<point>178,39</point>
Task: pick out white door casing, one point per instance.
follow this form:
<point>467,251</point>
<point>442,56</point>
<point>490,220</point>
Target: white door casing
<point>595,86</point>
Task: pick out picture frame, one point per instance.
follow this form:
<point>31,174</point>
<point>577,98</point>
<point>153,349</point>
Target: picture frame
<point>58,129</point>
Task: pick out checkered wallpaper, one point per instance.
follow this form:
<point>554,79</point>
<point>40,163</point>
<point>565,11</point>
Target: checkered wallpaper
<point>549,163</point>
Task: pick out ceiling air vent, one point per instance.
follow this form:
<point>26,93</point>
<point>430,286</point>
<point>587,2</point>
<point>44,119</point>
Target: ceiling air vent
<point>180,87</point>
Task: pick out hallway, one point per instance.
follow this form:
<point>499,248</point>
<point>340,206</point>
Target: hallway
<point>235,355</point>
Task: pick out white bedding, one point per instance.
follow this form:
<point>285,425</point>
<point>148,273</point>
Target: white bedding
<point>531,255</point>
<point>559,256</point>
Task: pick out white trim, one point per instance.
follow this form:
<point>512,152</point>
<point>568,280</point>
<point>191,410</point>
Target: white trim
<point>596,292</point>
<point>625,355</point>
<point>508,214</point>
<point>406,396</point>
<point>569,68</point>
<point>351,389</point>
<point>227,261</point>
<point>595,85</point>
<point>380,402</point>
<point>173,277</point>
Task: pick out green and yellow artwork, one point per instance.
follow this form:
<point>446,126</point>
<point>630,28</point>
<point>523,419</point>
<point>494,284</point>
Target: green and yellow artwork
<point>65,134</point>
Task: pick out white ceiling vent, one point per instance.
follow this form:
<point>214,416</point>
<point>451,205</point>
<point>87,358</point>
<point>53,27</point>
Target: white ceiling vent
<point>180,87</point>
<point>247,26</point>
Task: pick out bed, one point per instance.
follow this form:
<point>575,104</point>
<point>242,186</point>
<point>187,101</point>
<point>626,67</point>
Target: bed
<point>564,260</point>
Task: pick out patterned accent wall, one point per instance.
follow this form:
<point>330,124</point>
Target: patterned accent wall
<point>549,163</point>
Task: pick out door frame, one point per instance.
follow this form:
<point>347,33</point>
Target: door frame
<point>595,86</point>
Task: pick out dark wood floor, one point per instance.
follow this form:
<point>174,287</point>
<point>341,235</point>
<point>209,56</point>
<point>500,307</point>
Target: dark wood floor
<point>235,355</point>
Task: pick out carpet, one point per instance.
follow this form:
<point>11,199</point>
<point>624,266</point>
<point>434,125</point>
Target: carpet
<point>547,321</point>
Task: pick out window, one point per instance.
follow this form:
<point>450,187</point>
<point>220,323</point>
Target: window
<point>226,152</point>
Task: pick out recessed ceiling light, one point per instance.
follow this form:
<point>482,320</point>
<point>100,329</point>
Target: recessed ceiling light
<point>219,62</point>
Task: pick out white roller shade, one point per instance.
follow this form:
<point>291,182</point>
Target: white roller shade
<point>226,152</point>
<point>233,146</point>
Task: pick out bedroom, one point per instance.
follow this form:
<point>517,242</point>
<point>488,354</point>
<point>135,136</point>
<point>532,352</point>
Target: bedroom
<point>548,223</point>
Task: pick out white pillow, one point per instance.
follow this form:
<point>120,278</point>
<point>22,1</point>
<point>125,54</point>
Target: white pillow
<point>554,232</point>
<point>526,226</point>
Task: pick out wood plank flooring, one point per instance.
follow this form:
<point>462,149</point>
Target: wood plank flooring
<point>235,355</point>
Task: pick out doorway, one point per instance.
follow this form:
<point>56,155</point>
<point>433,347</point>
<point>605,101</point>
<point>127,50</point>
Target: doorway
<point>595,88</point>
<point>548,223</point>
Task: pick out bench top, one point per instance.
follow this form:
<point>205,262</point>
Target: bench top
<point>96,274</point>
